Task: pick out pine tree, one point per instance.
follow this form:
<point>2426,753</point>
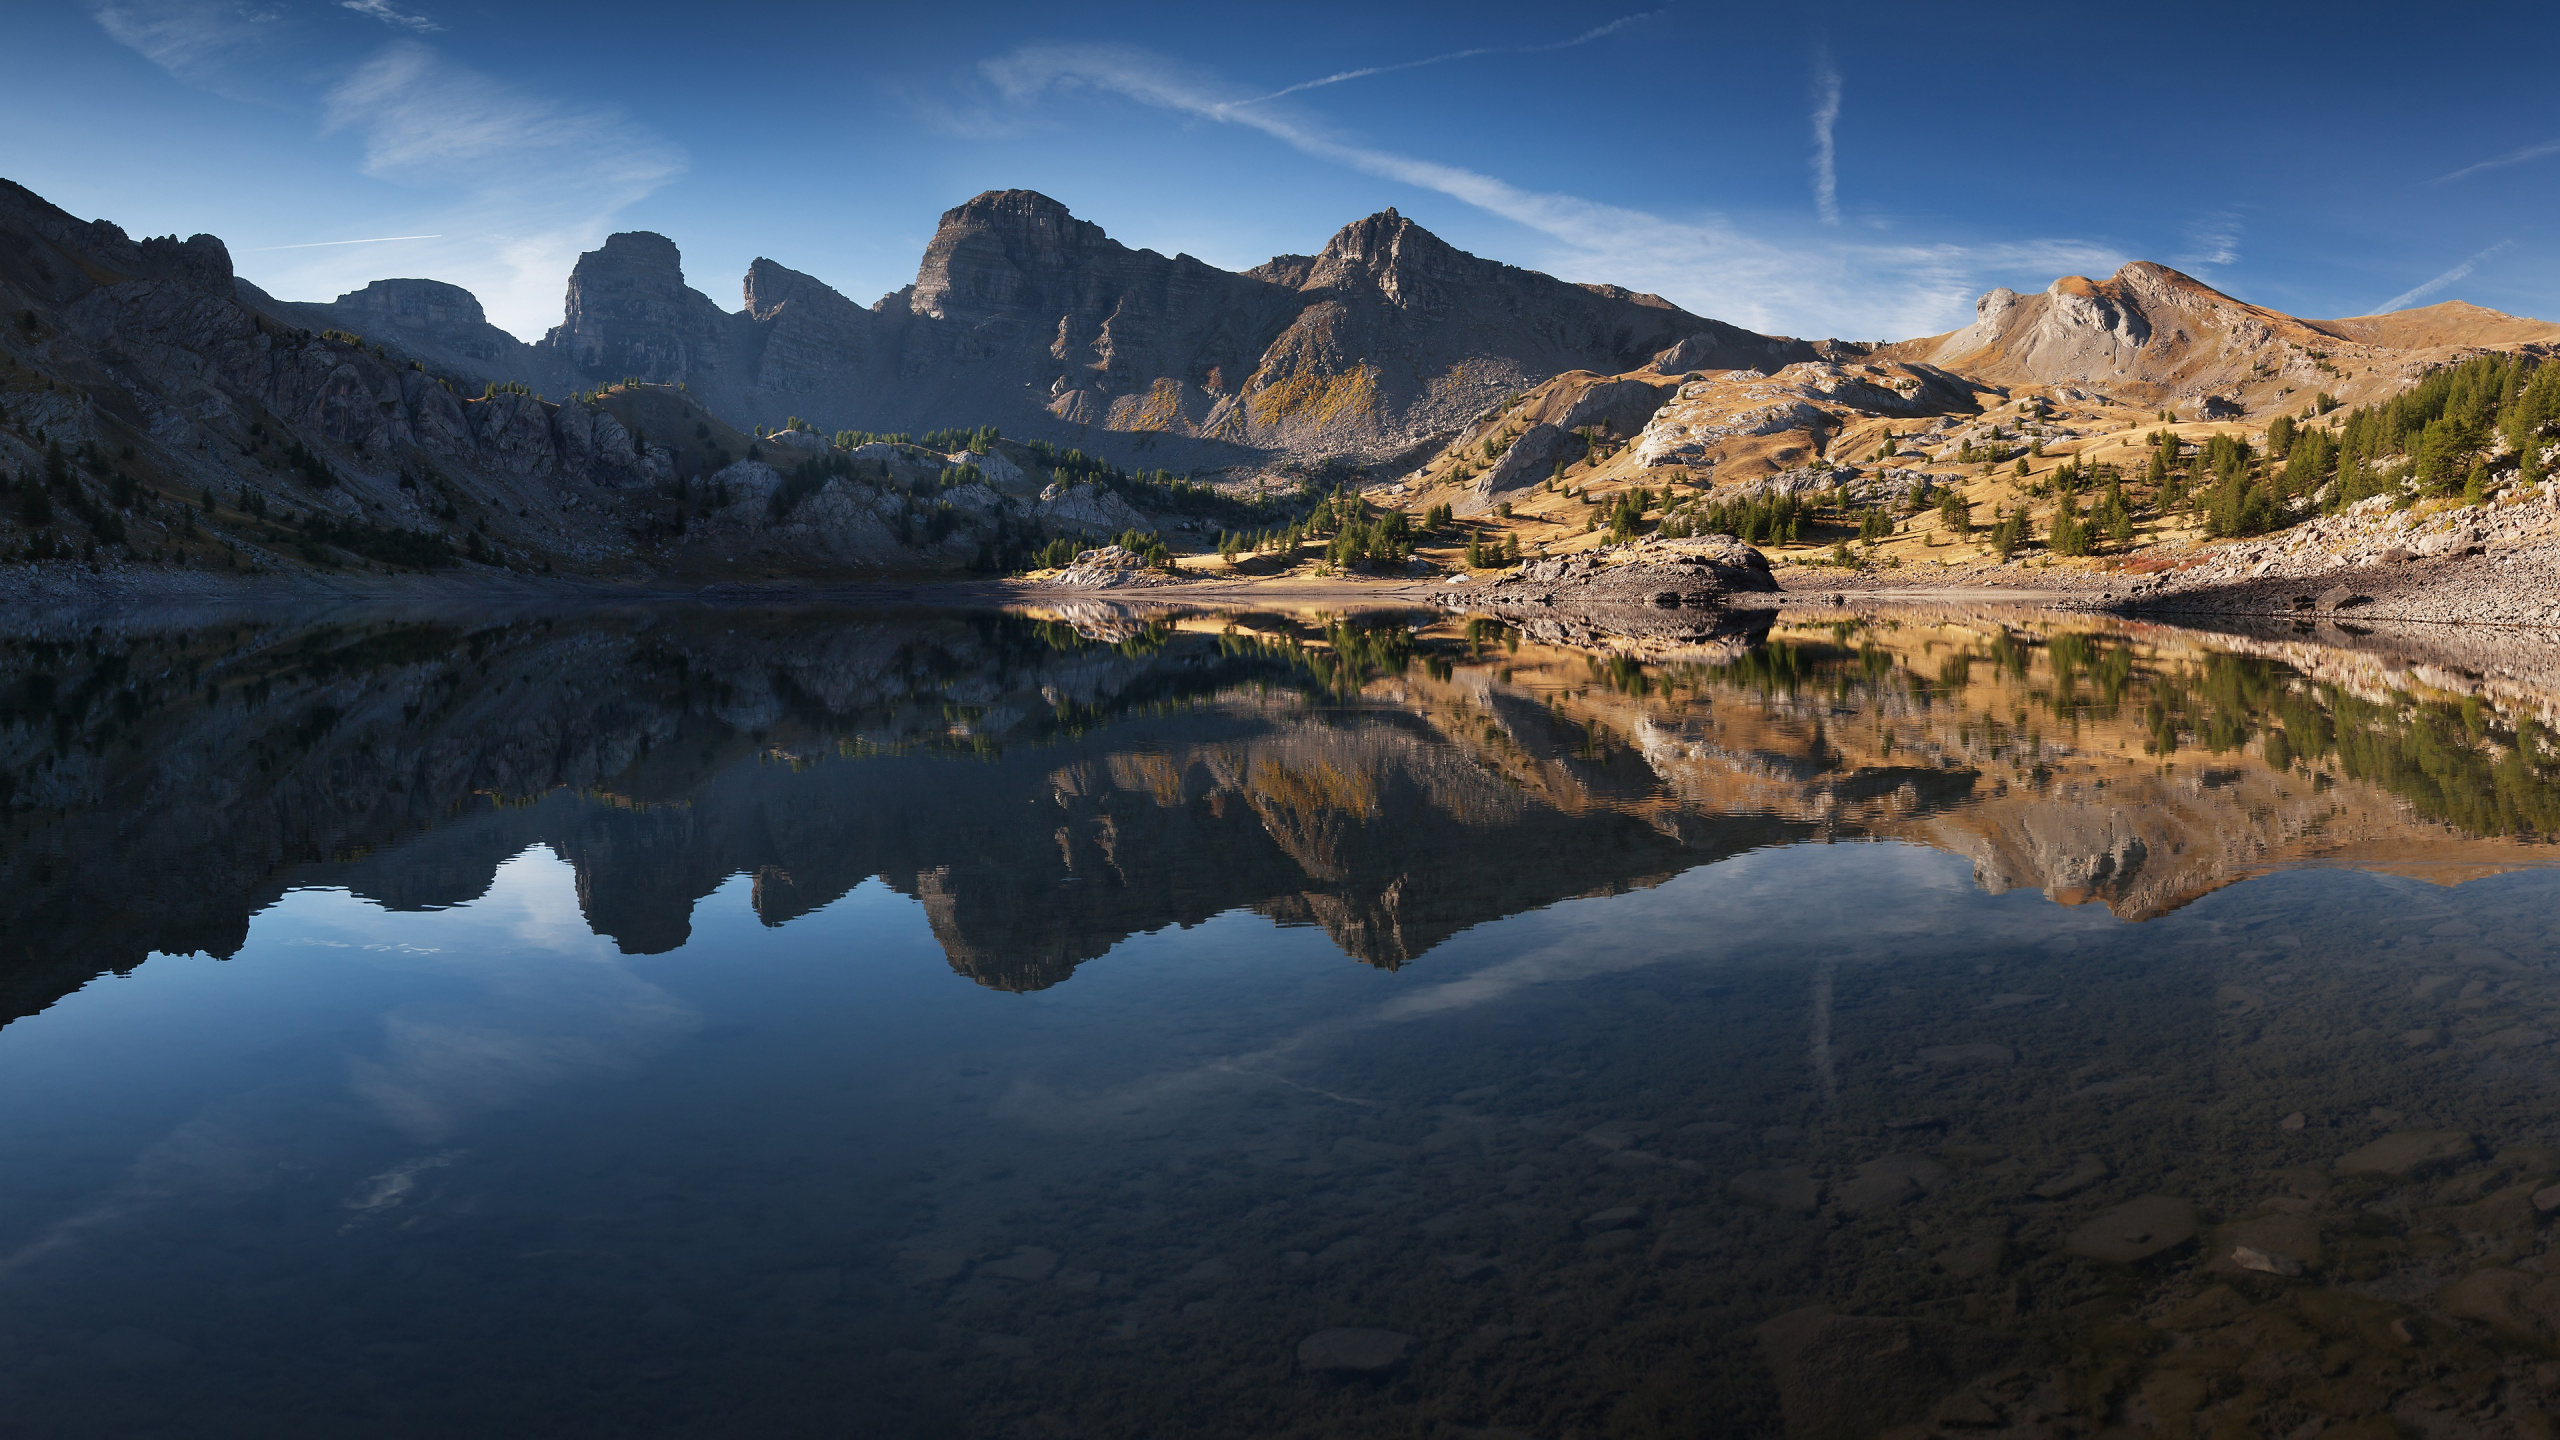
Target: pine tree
<point>1955,513</point>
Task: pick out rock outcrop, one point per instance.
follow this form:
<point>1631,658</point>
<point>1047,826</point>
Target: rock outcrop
<point>175,415</point>
<point>1656,591</point>
<point>2152,336</point>
<point>1025,317</point>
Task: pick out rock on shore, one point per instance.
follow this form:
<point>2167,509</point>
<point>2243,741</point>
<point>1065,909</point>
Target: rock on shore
<point>1676,591</point>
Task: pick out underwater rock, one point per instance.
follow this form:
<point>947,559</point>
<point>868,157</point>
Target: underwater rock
<point>2087,1171</point>
<point>1882,1184</point>
<point>1792,1188</point>
<point>1029,1263</point>
<point>1846,1377</point>
<point>2135,1231</point>
<point>2406,1153</point>
<point>1353,1350</point>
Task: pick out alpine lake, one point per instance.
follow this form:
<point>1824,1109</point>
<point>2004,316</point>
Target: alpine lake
<point>763,1020</point>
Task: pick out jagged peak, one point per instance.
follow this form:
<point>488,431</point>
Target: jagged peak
<point>769,285</point>
<point>415,297</point>
<point>636,248</point>
<point>1384,236</point>
<point>1018,213</point>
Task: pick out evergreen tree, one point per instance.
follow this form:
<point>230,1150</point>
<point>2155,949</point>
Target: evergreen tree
<point>1955,512</point>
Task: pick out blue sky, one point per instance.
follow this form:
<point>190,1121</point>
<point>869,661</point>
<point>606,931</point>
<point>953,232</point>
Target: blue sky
<point>1861,171</point>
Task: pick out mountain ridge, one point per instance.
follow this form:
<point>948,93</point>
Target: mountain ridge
<point>184,416</point>
<point>1022,315</point>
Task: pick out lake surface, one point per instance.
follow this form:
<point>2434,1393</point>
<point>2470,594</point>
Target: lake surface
<point>762,1022</point>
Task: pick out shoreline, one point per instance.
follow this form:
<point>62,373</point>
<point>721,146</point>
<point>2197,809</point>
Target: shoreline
<point>2513,587</point>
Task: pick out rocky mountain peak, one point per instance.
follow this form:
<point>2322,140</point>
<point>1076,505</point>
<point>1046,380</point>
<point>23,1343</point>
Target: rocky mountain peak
<point>770,286</point>
<point>1001,250</point>
<point>629,312</point>
<point>422,304</point>
<point>637,250</point>
<point>1390,254</point>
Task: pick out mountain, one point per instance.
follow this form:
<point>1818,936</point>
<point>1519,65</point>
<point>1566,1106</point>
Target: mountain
<point>156,409</point>
<point>439,324</point>
<point>2150,336</point>
<point>1025,317</point>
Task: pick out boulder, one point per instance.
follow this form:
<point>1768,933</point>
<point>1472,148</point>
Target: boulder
<point>1848,1377</point>
<point>1789,1188</point>
<point>2521,1306</point>
<point>2135,1231</point>
<point>2088,1170</point>
<point>1882,1184</point>
<point>1353,1351</point>
<point>1087,510</point>
<point>2404,1153</point>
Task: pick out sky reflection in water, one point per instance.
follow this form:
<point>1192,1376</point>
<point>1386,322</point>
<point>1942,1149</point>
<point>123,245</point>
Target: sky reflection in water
<point>810,1023</point>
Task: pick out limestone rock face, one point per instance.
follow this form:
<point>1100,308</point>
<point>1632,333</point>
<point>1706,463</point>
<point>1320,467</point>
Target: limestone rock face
<point>629,312</point>
<point>1086,510</point>
<point>1660,592</point>
<point>1570,404</point>
<point>1026,317</point>
<point>2153,335</point>
<point>426,309</point>
<point>201,384</point>
<point>1748,422</point>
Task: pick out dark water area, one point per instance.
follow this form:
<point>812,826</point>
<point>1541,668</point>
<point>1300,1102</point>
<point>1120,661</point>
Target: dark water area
<point>799,1021</point>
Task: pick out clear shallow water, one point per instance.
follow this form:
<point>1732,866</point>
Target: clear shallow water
<point>745,1023</point>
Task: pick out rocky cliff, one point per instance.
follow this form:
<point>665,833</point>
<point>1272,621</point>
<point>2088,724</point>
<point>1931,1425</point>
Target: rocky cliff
<point>1025,317</point>
<point>154,409</point>
<point>2150,336</point>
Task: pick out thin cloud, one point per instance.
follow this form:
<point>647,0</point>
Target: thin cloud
<point>399,20</point>
<point>2413,295</point>
<point>1826,115</point>
<point>1704,264</point>
<point>1597,32</point>
<point>521,181</point>
<point>194,40</point>
<point>533,181</point>
<point>324,244</point>
<point>2512,157</point>
<point>2216,239</point>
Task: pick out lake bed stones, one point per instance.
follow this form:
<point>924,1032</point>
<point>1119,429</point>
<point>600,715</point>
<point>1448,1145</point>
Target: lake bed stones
<point>2088,1170</point>
<point>1027,1264</point>
<point>1354,1350</point>
<point>2135,1231</point>
<point>1791,1188</point>
<point>2405,1153</point>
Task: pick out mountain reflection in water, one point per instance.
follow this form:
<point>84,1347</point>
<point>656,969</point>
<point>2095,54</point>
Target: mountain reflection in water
<point>583,1058</point>
<point>1047,791</point>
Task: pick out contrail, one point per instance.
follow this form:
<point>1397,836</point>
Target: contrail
<point>2406,298</point>
<point>1826,114</point>
<point>316,244</point>
<point>1585,38</point>
<point>2512,157</point>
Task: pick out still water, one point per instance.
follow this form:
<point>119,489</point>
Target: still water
<point>756,1022</point>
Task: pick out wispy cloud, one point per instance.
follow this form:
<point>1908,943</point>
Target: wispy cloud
<point>1596,32</point>
<point>1826,115</point>
<point>499,187</point>
<point>2512,157</point>
<point>383,11</point>
<point>2416,293</point>
<point>2216,239</point>
<point>530,181</point>
<point>195,40</point>
<point>1704,263</point>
